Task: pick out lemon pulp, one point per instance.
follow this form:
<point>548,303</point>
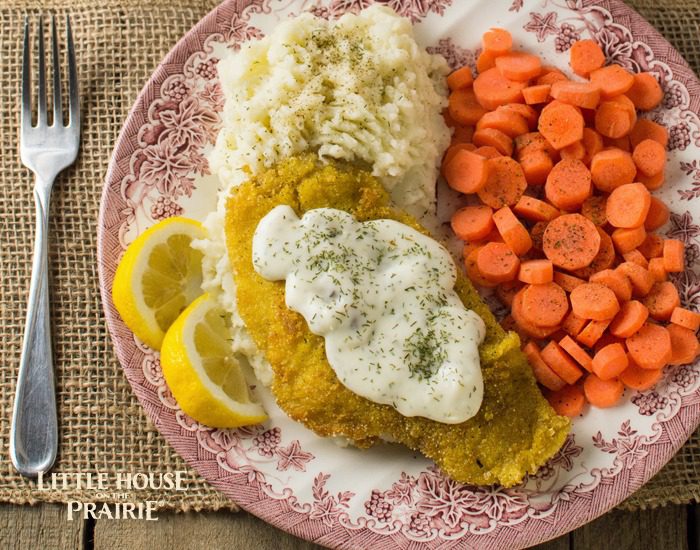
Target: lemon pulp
<point>159,275</point>
<point>203,375</point>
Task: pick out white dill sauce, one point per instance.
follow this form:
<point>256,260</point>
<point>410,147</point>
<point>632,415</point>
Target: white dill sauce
<point>382,295</point>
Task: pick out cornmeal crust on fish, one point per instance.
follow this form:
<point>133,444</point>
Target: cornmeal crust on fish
<point>513,434</point>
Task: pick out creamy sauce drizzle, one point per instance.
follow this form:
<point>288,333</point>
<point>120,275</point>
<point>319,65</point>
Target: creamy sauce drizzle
<point>382,295</point>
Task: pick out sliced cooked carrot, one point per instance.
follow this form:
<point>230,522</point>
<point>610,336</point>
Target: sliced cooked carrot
<point>492,89</point>
<point>469,247</point>
<point>616,281</point>
<point>536,272</point>
<point>486,61</point>
<point>526,326</point>
<point>684,345</point>
<point>507,291</point>
<point>603,260</point>
<point>611,168</point>
<point>561,363</point>
<point>625,102</point>
<point>561,124</point>
<point>609,361</point>
<point>461,78</point>
<point>575,151</point>
<point>606,340</point>
<point>487,152</point>
<point>497,263</point>
<point>534,209</point>
<point>685,318</point>
<point>640,278</point>
<point>612,120</point>
<point>586,56</point>
<point>628,205</point>
<point>566,281</point>
<point>592,332</point>
<point>652,182</point>
<point>639,379</point>
<point>648,129</point>
<point>533,141</point>
<point>525,111</point>
<point>544,305</point>
<point>464,108</point>
<point>466,172</point>
<point>519,66</point>
<point>657,270</point>
<point>580,94</point>
<point>537,235</point>
<point>650,157</point>
<point>602,393</point>
<point>630,319</point>
<point>636,257</point>
<point>505,184</point>
<point>550,75</point>
<point>645,93</point>
<point>626,239</point>
<point>658,214</point>
<point>592,142</point>
<point>536,166</point>
<point>650,346</point>
<point>570,346</point>
<point>594,301</point>
<point>463,136</point>
<point>497,40</point>
<point>542,372</point>
<point>653,246</point>
<point>507,121</point>
<point>513,232</point>
<point>568,401</point>
<point>452,151</point>
<point>593,208</point>
<point>449,121</point>
<point>475,276</point>
<point>539,93</point>
<point>493,138</point>
<point>571,241</point>
<point>568,184</point>
<point>573,324</point>
<point>612,80</point>
<point>674,256</point>
<point>472,223</point>
<point>622,143</point>
<point>662,299</point>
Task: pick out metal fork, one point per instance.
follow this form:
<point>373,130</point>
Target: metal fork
<point>46,150</point>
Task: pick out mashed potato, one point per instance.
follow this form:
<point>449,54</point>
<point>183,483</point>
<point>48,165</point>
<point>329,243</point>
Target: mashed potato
<point>358,89</point>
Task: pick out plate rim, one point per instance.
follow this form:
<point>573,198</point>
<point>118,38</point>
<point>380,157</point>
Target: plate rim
<point>176,55</point>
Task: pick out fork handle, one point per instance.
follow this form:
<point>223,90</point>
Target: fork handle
<point>34,433</point>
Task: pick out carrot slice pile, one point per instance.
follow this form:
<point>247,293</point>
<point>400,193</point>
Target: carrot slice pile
<point>563,223</point>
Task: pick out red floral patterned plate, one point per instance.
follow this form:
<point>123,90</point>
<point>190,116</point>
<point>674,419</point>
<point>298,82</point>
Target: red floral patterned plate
<point>388,497</point>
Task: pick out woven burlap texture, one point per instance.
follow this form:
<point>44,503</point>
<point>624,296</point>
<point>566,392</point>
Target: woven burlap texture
<point>102,426</point>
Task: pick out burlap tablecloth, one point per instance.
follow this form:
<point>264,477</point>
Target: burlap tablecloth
<point>102,426</point>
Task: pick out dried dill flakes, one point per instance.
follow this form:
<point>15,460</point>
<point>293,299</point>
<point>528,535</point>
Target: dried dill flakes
<point>424,353</point>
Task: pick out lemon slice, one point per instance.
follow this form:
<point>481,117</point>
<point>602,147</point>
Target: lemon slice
<point>159,275</point>
<point>201,371</point>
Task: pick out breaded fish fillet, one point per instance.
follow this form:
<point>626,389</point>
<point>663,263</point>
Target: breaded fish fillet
<point>515,430</point>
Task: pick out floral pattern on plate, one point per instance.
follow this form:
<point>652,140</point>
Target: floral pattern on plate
<point>389,497</point>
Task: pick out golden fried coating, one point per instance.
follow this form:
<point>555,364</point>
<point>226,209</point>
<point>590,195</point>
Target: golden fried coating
<point>515,430</point>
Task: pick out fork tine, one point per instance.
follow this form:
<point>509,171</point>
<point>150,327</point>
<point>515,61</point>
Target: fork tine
<point>57,109</point>
<point>74,94</point>
<point>26,112</point>
<point>41,118</point>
